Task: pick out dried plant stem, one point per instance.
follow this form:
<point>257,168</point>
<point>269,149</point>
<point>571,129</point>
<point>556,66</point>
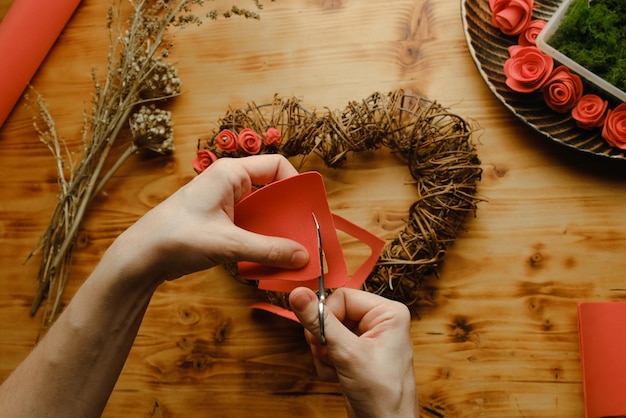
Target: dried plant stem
<point>137,77</point>
<point>130,150</point>
<point>74,215</point>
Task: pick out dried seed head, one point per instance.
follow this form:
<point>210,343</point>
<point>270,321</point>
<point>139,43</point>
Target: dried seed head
<point>161,81</point>
<point>152,129</point>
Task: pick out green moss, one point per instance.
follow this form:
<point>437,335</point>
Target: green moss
<point>595,37</point>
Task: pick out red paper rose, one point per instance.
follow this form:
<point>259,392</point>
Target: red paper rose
<point>614,130</point>
<point>590,111</point>
<point>511,16</point>
<point>527,69</point>
<point>249,141</point>
<point>226,140</point>
<point>562,90</point>
<point>272,137</point>
<point>204,158</point>
<point>528,37</point>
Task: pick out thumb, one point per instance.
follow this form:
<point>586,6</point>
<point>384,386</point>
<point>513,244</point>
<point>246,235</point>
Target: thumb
<point>270,251</point>
<point>305,305</point>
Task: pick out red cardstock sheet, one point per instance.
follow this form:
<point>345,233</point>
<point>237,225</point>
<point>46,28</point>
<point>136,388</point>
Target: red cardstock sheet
<point>602,333</point>
<point>27,33</point>
<point>285,208</point>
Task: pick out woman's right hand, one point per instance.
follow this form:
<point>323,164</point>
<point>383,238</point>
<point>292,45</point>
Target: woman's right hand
<point>368,350</point>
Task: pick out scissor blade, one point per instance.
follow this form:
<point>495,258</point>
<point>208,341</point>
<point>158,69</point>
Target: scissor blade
<point>322,291</point>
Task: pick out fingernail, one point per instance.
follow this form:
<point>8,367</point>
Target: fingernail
<point>299,258</point>
<point>300,299</point>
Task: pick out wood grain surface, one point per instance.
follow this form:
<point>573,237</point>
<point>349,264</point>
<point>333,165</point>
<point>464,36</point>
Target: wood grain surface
<point>4,7</point>
<point>495,335</point>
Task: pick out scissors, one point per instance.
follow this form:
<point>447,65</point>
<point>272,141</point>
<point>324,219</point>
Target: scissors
<point>322,291</point>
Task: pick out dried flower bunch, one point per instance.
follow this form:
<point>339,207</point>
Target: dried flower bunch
<point>138,80</point>
<point>436,145</point>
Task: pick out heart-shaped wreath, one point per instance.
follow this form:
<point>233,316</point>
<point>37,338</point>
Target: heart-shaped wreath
<point>436,145</point>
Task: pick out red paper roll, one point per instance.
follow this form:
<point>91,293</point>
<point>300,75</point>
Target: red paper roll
<point>27,33</point>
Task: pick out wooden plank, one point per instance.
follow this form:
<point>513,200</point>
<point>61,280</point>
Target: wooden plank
<point>495,336</point>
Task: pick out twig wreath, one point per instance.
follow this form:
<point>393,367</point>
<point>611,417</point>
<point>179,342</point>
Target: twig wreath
<point>436,145</point>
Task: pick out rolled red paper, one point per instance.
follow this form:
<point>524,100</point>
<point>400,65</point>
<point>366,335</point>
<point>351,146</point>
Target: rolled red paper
<point>27,33</point>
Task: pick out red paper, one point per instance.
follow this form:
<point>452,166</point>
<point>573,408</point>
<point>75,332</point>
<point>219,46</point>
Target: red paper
<point>602,332</point>
<point>284,209</point>
<point>27,33</point>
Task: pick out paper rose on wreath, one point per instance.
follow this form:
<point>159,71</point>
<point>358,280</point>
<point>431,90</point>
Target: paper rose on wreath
<point>435,144</point>
<point>246,142</point>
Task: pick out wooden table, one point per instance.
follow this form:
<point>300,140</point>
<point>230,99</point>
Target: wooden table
<point>495,336</point>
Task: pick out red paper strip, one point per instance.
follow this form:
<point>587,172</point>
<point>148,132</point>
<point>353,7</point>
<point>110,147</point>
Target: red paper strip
<point>27,34</point>
<point>376,246</point>
<point>276,310</point>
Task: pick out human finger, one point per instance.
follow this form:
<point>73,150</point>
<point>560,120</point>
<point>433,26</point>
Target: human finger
<point>266,250</point>
<point>305,305</point>
<point>363,311</point>
<point>266,168</point>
